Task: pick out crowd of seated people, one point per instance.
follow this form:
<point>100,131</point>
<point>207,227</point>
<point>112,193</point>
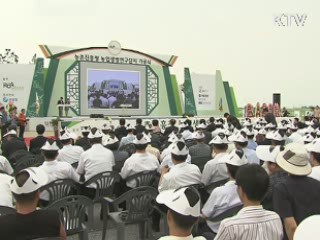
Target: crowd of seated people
<point>268,169</point>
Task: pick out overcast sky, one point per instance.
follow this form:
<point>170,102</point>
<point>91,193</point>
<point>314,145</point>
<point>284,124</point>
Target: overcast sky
<point>238,37</point>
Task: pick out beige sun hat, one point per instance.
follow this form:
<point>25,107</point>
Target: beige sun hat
<point>294,160</point>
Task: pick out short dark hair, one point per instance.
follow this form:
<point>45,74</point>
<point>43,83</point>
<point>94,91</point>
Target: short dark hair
<point>113,146</point>
<point>232,170</point>
<point>85,134</point>
<point>172,122</point>
<point>40,128</point>
<point>141,146</point>
<point>182,221</point>
<point>138,121</point>
<point>222,146</point>
<point>155,122</point>
<point>180,158</point>
<point>66,141</point>
<point>50,154</point>
<point>316,156</point>
<point>21,179</point>
<point>202,121</point>
<point>211,119</point>
<point>122,121</point>
<point>253,180</point>
<point>188,121</point>
<point>278,143</point>
<point>12,127</point>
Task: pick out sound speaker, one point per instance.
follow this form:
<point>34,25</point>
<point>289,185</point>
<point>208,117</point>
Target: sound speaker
<point>277,98</point>
<point>96,116</point>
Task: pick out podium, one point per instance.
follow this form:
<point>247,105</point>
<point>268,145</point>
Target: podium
<point>64,107</point>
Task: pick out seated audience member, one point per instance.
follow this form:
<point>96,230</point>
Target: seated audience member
<point>171,139</point>
<point>28,222</point>
<point>139,128</point>
<point>298,196</point>
<point>241,142</point>
<point>183,211</point>
<point>139,161</point>
<point>152,150</point>
<point>37,142</point>
<point>225,197</point>
<point>278,139</point>
<point>181,174</point>
<point>202,127</point>
<point>84,141</point>
<point>5,166</point>
<point>251,143</point>
<point>130,136</point>
<point>95,160</point>
<point>269,154</point>
<point>155,126</point>
<point>111,142</point>
<point>5,192</point>
<point>105,129</point>
<point>185,131</point>
<point>189,124</point>
<point>252,221</point>
<point>12,144</point>
<point>171,128</point>
<point>214,170</point>
<point>121,131</point>
<point>211,126</point>
<point>200,149</point>
<point>314,149</point>
<point>53,168</point>
<point>68,153</point>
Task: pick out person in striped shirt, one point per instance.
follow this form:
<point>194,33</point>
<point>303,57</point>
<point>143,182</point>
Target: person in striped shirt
<point>252,221</point>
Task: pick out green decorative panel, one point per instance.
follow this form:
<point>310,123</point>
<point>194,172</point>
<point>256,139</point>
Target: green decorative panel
<point>152,90</point>
<point>190,105</point>
<point>72,86</point>
<point>36,100</point>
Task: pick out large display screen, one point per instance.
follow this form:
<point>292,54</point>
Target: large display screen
<point>113,89</point>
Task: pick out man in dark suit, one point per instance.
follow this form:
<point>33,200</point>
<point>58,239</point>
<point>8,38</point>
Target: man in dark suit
<point>139,127</point>
<point>60,106</point>
<point>12,144</point>
<point>37,142</point>
<point>121,131</point>
<point>171,128</point>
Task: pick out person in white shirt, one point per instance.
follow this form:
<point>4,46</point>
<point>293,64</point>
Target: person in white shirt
<point>214,170</point>
<point>225,197</point>
<point>139,161</point>
<point>54,169</point>
<point>69,153</point>
<point>5,166</point>
<point>97,159</point>
<point>6,198</point>
<point>252,221</point>
<point>241,142</point>
<point>181,174</point>
<point>183,212</point>
<point>314,150</point>
<point>130,136</point>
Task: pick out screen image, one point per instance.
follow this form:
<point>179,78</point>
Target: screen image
<point>116,89</point>
<point>112,89</point>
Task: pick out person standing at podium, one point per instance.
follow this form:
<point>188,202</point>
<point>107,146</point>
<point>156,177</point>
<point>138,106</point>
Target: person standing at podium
<point>60,106</point>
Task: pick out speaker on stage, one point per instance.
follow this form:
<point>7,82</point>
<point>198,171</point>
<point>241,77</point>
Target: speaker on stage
<point>96,116</point>
<point>277,98</point>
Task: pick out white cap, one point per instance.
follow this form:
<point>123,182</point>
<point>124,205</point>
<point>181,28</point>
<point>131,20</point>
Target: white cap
<point>179,148</point>
<point>183,125</point>
<point>11,132</point>
<point>201,126</point>
<point>130,127</point>
<point>185,201</point>
<point>262,131</point>
<point>277,136</point>
<point>221,138</point>
<point>270,125</point>
<point>307,138</point>
<point>37,179</point>
<point>308,229</point>
<point>239,137</point>
<point>85,129</point>
<point>66,135</point>
<point>97,134</point>
<point>294,160</point>
<point>197,135</point>
<point>50,146</point>
<point>314,146</point>
<point>141,139</point>
<point>105,127</point>
<point>248,131</point>
<point>110,140</point>
<point>292,126</point>
<point>309,129</point>
<point>318,132</point>
<point>282,126</point>
<point>247,123</point>
<point>268,153</point>
<point>173,138</point>
<point>235,158</point>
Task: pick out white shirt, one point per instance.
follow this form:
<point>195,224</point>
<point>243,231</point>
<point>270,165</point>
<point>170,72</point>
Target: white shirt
<point>190,237</point>
<point>214,171</point>
<point>138,162</point>
<point>180,175</point>
<point>57,170</point>
<point>251,156</point>
<point>95,160</point>
<point>315,173</point>
<point>166,151</point>
<point>221,199</point>
<point>70,153</point>
<point>5,165</point>
<point>186,134</point>
<point>6,198</point>
<point>252,222</point>
<point>168,161</point>
<point>126,140</point>
<point>294,137</point>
